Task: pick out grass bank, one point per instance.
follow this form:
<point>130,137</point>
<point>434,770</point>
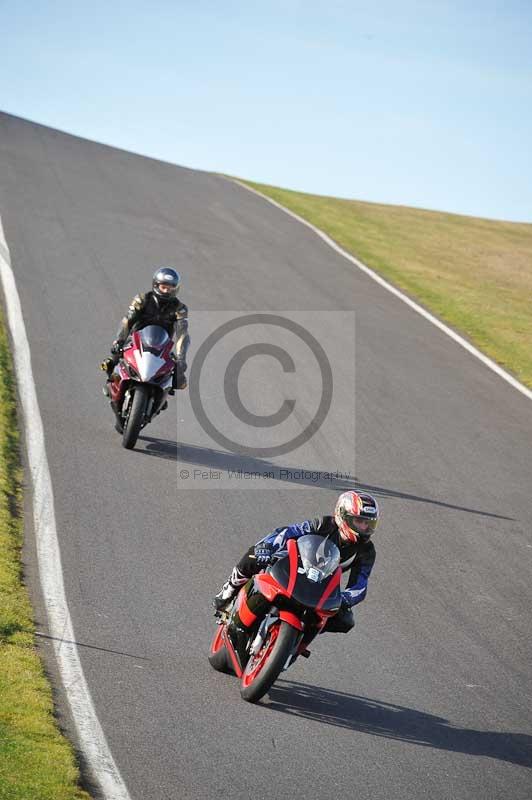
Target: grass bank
<point>474,274</point>
<point>36,761</point>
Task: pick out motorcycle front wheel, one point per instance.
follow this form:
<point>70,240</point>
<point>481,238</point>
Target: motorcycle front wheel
<point>135,419</point>
<point>263,669</point>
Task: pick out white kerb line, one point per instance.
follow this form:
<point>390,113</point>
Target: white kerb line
<point>388,286</point>
<point>91,736</point>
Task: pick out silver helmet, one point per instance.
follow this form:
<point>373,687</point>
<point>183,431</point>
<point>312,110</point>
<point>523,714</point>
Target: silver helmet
<point>166,282</point>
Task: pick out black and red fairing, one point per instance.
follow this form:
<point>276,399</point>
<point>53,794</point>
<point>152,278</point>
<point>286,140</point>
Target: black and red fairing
<point>286,583</point>
<point>304,589</point>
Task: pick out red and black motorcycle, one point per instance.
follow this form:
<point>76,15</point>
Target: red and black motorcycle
<point>141,380</point>
<point>299,592</point>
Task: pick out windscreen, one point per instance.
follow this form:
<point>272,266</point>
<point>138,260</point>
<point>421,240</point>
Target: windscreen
<point>153,336</point>
<point>319,557</point>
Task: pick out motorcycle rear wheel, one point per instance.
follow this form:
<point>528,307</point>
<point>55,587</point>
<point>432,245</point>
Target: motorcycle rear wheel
<point>136,417</point>
<point>262,670</point>
<point>218,658</point>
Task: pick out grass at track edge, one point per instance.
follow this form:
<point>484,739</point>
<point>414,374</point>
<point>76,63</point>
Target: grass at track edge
<point>473,274</point>
<point>36,760</point>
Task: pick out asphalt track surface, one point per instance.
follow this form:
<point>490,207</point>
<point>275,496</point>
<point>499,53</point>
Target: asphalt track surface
<point>430,696</point>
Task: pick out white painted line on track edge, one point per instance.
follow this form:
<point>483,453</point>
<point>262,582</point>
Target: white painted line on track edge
<point>388,286</point>
<point>91,736</point>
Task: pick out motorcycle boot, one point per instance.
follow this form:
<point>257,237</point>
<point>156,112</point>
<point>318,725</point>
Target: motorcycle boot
<point>178,378</point>
<point>229,589</point>
<point>107,365</point>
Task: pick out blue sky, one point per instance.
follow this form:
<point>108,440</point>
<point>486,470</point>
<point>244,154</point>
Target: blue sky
<point>415,103</point>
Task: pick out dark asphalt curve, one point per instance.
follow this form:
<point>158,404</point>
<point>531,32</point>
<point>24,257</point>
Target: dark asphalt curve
<point>430,696</point>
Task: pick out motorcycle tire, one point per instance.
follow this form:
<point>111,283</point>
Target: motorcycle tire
<point>262,670</point>
<point>136,417</point>
<point>218,656</point>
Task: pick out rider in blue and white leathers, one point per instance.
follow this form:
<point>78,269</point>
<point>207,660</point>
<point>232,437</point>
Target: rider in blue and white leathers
<point>350,528</point>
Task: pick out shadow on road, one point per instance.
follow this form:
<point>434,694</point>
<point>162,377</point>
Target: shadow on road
<point>223,460</point>
<point>373,717</point>
<point>91,646</point>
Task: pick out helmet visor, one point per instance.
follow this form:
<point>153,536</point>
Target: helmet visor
<point>166,289</point>
<point>362,526</point>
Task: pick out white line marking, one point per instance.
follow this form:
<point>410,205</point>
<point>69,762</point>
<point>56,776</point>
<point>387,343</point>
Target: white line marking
<point>91,736</point>
<point>420,310</point>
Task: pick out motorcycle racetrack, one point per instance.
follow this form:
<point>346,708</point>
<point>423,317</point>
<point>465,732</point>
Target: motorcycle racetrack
<point>430,695</point>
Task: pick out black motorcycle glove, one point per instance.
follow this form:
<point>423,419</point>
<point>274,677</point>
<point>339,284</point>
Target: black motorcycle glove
<point>263,553</point>
<point>116,348</point>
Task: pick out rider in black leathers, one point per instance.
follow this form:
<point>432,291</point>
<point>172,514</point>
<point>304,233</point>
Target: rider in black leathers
<point>161,307</point>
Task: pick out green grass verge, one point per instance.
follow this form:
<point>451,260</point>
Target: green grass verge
<point>36,761</point>
<point>474,274</point>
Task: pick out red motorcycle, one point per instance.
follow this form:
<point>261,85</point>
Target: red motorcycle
<point>141,380</point>
<point>300,591</point>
